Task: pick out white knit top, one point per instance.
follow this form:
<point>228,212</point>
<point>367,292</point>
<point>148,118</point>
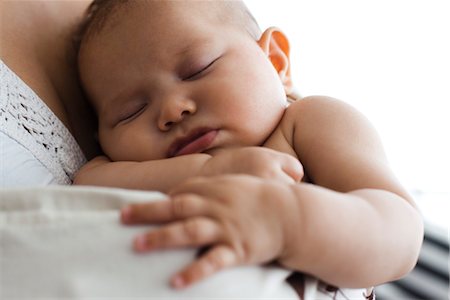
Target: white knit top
<point>33,141</point>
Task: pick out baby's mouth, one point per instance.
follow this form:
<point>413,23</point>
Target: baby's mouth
<point>196,142</point>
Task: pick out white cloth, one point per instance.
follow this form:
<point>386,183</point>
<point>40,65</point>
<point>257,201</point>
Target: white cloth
<point>19,167</point>
<point>26,120</point>
<point>67,243</point>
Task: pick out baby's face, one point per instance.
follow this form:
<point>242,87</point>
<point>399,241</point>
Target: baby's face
<point>172,80</point>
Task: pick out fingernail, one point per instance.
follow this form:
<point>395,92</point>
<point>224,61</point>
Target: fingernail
<point>125,214</point>
<point>140,243</point>
<point>178,282</point>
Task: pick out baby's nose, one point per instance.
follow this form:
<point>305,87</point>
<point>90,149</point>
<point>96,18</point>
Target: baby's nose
<point>175,112</point>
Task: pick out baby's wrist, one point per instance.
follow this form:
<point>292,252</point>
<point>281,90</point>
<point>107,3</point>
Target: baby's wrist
<point>295,226</point>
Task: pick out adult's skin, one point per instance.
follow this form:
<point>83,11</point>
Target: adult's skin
<point>36,43</point>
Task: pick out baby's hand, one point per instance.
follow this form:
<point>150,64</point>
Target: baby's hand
<point>241,219</point>
<point>256,161</point>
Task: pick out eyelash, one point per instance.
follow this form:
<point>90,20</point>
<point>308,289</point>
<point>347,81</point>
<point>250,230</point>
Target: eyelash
<point>198,73</point>
<point>133,115</point>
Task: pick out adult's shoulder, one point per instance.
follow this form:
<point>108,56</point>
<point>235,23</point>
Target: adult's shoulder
<point>36,44</point>
<point>35,29</point>
<point>35,38</point>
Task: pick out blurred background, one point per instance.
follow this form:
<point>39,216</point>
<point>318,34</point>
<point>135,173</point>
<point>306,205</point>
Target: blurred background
<point>390,60</point>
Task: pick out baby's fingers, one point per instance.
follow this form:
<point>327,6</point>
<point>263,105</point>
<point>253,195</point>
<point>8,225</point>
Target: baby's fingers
<point>176,208</point>
<point>216,259</point>
<point>294,169</point>
<point>193,232</point>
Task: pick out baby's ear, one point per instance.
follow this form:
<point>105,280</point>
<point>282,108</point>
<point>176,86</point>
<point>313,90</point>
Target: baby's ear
<point>276,46</point>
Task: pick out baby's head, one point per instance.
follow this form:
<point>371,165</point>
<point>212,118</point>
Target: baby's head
<point>176,77</point>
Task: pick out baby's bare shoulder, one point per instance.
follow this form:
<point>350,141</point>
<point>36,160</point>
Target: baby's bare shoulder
<point>316,106</point>
<point>314,114</point>
<point>302,116</point>
<point>320,123</point>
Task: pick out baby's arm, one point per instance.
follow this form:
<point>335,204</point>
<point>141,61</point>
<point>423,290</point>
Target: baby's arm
<point>158,175</point>
<point>162,175</point>
<point>356,226</point>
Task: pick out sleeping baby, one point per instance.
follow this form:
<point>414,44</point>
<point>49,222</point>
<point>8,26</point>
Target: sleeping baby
<point>195,101</point>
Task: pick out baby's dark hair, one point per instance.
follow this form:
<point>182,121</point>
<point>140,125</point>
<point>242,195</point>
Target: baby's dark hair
<point>100,12</point>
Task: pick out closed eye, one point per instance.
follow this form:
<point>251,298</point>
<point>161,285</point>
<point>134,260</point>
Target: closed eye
<point>129,116</point>
<point>200,72</point>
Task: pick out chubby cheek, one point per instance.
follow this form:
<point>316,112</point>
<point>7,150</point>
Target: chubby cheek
<point>260,80</point>
<point>127,145</point>
<point>262,122</point>
<point>261,103</point>
<point>112,145</point>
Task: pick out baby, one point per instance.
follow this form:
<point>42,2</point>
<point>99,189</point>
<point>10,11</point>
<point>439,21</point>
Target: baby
<point>193,89</point>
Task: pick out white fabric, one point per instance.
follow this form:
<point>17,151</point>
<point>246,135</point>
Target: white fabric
<point>27,120</point>
<point>19,167</point>
<point>67,243</point>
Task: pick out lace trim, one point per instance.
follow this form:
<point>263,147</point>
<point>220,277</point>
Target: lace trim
<point>25,118</point>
